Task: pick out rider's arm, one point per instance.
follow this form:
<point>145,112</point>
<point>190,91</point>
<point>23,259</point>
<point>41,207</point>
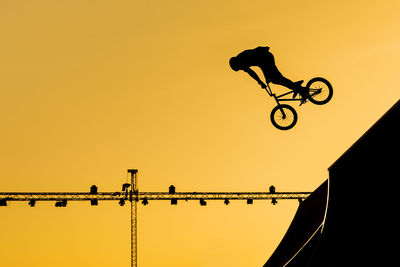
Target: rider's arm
<point>254,76</point>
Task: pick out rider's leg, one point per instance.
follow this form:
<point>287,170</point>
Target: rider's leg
<point>278,78</point>
<point>295,86</point>
<point>272,74</point>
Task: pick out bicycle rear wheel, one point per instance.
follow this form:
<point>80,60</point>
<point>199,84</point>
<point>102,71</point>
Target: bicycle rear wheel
<point>320,91</point>
<point>283,117</point>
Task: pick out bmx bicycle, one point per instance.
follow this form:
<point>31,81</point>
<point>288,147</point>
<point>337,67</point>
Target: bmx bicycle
<point>284,117</point>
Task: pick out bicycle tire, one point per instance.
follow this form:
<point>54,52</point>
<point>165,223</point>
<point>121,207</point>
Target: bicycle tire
<point>322,89</point>
<point>283,117</point>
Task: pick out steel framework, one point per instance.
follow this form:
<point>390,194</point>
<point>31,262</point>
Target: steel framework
<point>131,193</point>
<point>102,196</point>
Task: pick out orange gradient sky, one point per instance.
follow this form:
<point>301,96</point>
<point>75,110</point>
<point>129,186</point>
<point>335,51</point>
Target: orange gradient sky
<point>92,88</point>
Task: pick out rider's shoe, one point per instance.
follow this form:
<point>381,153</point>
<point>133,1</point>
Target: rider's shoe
<point>304,95</point>
<point>304,92</point>
<point>303,101</point>
<point>298,88</point>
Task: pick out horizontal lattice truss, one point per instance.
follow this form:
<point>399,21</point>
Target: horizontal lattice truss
<point>71,196</point>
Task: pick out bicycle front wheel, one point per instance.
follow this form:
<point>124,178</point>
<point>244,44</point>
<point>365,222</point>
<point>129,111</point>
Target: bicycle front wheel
<point>283,117</point>
<point>319,91</point>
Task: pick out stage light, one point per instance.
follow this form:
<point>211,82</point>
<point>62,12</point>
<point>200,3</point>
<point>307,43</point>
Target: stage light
<point>93,189</point>
<point>94,202</point>
<point>272,189</point>
<point>174,201</point>
<point>249,201</point>
<point>145,202</point>
<point>202,202</point>
<point>32,202</point>
<point>121,202</point>
<point>62,203</point>
<point>226,201</point>
<point>274,201</point>
<point>125,186</point>
<point>171,189</point>
<point>3,202</point>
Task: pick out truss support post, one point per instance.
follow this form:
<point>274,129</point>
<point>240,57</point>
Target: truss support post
<point>133,198</point>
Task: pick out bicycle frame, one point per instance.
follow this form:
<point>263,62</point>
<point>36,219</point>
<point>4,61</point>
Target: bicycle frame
<point>280,97</point>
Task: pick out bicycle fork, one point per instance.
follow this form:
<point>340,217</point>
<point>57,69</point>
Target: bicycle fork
<point>280,106</point>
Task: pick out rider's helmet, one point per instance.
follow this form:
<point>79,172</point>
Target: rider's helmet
<point>234,63</point>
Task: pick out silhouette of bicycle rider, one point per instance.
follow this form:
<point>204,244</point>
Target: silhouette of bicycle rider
<point>262,58</point>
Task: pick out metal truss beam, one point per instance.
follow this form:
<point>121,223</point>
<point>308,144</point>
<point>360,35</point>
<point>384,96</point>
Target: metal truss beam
<point>82,196</point>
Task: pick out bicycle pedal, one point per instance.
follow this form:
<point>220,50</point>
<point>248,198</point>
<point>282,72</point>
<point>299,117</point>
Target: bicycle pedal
<point>302,102</point>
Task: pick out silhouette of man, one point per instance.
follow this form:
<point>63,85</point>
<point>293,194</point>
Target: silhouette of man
<point>262,58</point>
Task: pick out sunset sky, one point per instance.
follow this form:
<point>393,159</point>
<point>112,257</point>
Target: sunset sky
<point>90,89</point>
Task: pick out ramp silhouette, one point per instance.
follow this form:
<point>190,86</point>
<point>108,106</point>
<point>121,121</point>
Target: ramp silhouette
<point>351,218</point>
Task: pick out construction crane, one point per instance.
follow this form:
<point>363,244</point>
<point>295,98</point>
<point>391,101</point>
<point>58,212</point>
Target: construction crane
<point>131,193</point>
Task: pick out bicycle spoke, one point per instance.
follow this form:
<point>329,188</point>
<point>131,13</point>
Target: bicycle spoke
<point>320,91</point>
<point>285,118</point>
<point>317,91</point>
